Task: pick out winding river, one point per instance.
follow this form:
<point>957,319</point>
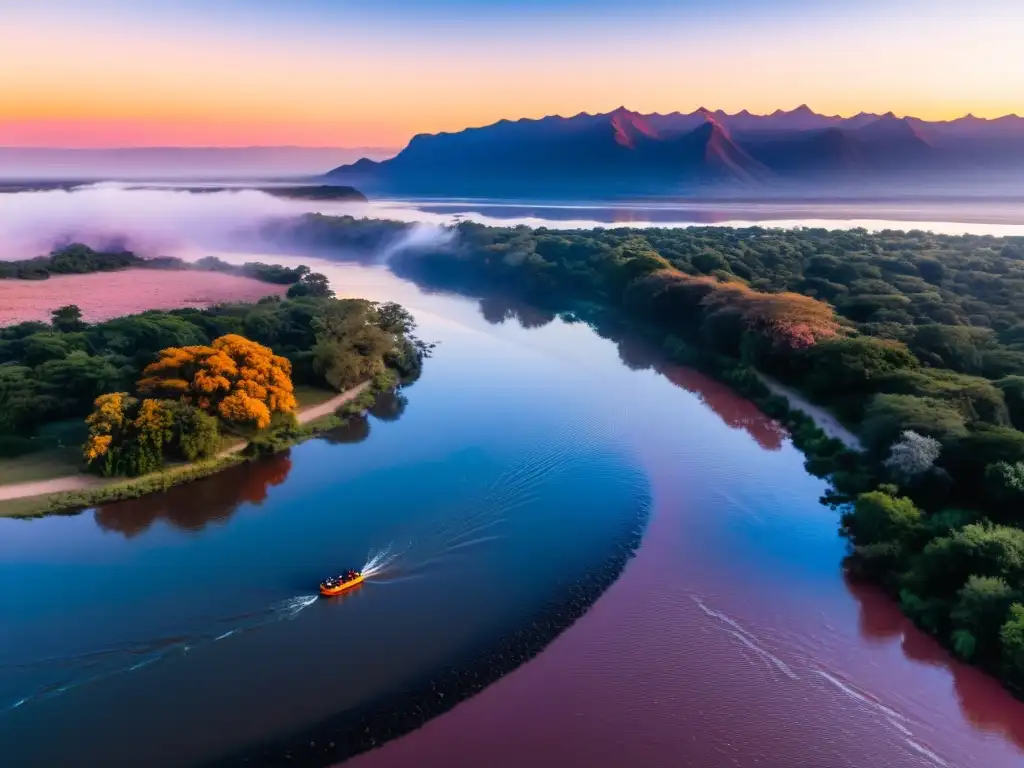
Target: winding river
<point>494,501</point>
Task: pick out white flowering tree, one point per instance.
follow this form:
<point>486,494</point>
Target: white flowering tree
<point>913,454</point>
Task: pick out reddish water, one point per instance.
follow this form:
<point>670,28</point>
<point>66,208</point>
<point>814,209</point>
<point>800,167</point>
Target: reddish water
<point>732,639</point>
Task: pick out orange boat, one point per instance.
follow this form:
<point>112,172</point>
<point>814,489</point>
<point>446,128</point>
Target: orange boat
<point>335,585</point>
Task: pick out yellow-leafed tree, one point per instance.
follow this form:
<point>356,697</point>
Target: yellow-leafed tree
<point>235,378</point>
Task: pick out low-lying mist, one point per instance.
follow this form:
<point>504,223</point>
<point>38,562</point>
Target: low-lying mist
<point>173,222</point>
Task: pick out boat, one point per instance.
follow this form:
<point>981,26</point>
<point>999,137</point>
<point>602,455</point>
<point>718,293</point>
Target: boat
<point>335,585</point>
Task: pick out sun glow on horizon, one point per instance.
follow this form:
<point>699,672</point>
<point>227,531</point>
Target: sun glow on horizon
<point>323,74</point>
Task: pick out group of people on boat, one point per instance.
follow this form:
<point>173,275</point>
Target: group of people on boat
<point>335,581</point>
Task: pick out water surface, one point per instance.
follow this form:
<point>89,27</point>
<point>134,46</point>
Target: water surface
<point>180,627</point>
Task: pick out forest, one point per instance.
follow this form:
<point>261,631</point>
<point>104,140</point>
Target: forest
<point>163,386</point>
<point>78,259</point>
<point>914,340</point>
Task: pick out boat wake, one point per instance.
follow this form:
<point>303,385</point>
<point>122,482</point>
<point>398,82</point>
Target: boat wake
<point>748,639</point>
<point>477,521</point>
<point>88,668</point>
<point>894,719</point>
<point>378,562</point>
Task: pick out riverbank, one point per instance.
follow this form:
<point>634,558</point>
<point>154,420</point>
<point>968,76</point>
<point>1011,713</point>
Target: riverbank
<point>55,495</point>
<point>824,420</point>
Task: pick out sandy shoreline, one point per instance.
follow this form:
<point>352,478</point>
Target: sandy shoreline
<point>103,295</point>
<point>828,423</point>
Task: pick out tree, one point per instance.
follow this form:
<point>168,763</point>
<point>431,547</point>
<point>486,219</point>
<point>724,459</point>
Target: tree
<point>68,319</point>
<point>967,457</point>
<point>73,382</point>
<point>109,427</point>
<point>978,614</point>
<point>20,401</point>
<point>889,416</point>
<point>312,284</point>
<point>932,270</point>
<point>788,319</point>
<point>152,428</point>
<point>351,346</point>
<point>40,347</point>
<point>913,454</point>
<point>395,319</point>
<point>237,379</point>
<point>1013,392</point>
<point>133,437</point>
<point>878,517</point>
<point>976,398</point>
<point>198,433</point>
<point>1004,483</point>
<point>978,549</point>
<point>957,347</point>
<point>141,337</point>
<point>854,366</point>
<point>1011,641</point>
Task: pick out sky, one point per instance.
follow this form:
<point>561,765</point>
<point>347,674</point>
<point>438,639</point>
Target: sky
<point>372,73</point>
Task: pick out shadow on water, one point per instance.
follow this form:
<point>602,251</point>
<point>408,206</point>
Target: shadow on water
<point>356,429</point>
<point>193,507</point>
<point>389,406</point>
<point>214,500</point>
<point>640,354</point>
<point>985,704</point>
<point>496,309</point>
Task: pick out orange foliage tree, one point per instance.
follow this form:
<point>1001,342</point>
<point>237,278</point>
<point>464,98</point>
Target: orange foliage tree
<point>676,299</point>
<point>235,378</point>
<point>786,318</point>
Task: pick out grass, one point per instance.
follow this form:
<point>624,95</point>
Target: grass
<point>116,490</point>
<point>310,396</point>
<point>44,465</point>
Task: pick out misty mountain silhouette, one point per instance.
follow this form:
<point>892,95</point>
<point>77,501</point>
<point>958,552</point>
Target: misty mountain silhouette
<point>627,151</point>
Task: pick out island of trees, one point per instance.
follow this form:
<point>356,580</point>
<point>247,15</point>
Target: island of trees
<point>914,340</point>
<point>163,387</point>
<point>79,259</point>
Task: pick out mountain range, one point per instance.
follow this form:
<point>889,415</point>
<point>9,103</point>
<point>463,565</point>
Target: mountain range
<point>630,153</point>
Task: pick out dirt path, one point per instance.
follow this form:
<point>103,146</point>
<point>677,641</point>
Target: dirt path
<point>829,424</point>
<point>82,482</point>
<point>307,415</point>
<point>40,487</point>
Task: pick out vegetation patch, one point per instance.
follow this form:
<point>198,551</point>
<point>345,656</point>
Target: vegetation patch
<point>159,389</point>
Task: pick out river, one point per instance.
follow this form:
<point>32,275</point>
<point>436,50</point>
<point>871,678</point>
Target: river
<point>501,494</point>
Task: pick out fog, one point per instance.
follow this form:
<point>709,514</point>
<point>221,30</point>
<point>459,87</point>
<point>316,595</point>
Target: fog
<point>176,222</point>
<point>150,222</point>
<point>190,224</point>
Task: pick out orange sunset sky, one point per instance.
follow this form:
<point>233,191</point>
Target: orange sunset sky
<point>112,73</point>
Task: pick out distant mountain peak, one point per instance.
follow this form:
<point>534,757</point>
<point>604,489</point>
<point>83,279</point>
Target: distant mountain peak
<point>677,151</point>
<point>630,128</point>
<point>890,128</point>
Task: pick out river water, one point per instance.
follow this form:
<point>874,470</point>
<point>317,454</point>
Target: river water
<point>528,458</point>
